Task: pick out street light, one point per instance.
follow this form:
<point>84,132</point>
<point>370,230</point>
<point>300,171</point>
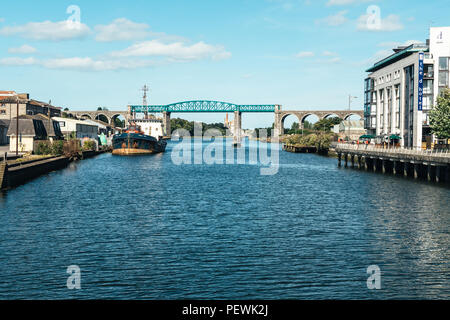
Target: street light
<point>17,126</point>
<point>350,99</point>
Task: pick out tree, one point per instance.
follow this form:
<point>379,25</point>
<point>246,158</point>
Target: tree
<point>119,123</point>
<point>326,124</point>
<point>307,125</point>
<point>440,116</point>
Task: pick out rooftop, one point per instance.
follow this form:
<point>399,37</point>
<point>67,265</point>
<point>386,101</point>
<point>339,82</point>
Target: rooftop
<point>24,99</point>
<point>399,53</point>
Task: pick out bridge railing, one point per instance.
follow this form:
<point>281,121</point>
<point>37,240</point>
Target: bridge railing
<point>394,150</point>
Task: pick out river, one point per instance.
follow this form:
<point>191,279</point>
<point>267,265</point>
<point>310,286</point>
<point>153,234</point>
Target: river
<point>148,228</point>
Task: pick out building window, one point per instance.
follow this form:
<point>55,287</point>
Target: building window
<point>427,102</point>
<point>443,78</point>
<point>428,71</point>
<point>443,63</point>
<point>425,119</point>
<point>428,86</point>
<point>62,123</point>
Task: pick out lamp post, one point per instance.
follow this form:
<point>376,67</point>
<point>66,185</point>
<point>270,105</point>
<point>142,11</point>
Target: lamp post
<point>350,99</point>
<point>17,126</point>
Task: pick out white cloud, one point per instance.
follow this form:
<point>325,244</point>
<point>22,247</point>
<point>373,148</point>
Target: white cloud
<point>24,49</point>
<point>334,20</point>
<point>48,30</point>
<point>328,53</point>
<point>333,60</point>
<point>345,2</point>
<point>79,63</point>
<point>390,23</point>
<point>176,51</point>
<point>122,29</point>
<point>89,64</point>
<point>247,75</point>
<point>305,54</point>
<point>15,61</point>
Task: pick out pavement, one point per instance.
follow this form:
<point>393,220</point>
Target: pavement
<point>4,149</point>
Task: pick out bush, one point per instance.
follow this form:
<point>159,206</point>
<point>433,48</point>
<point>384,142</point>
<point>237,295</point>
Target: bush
<point>57,148</point>
<point>43,148</point>
<point>89,145</point>
<point>48,148</point>
<point>320,140</point>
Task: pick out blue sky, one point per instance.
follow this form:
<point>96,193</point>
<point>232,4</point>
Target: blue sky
<point>302,54</point>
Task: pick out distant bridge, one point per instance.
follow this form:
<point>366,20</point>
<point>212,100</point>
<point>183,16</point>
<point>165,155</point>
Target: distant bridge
<point>301,115</point>
<point>101,114</point>
<point>216,106</point>
<point>203,106</point>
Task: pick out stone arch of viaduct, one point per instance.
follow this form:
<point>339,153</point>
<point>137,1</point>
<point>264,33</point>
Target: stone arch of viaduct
<point>280,116</point>
<point>94,115</point>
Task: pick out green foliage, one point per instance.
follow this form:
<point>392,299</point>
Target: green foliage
<point>190,126</point>
<point>440,116</point>
<point>57,147</point>
<point>268,130</point>
<point>89,145</point>
<point>47,148</point>
<point>326,124</point>
<point>307,125</point>
<point>43,148</point>
<point>319,140</point>
<point>119,123</point>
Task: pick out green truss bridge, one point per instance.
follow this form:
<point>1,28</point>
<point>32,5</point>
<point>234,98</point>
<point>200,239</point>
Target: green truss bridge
<point>202,106</point>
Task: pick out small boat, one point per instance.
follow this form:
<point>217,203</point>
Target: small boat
<point>135,141</point>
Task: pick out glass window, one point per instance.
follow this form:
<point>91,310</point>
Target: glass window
<point>428,71</point>
<point>428,86</point>
<point>443,63</point>
<point>427,102</point>
<point>443,78</point>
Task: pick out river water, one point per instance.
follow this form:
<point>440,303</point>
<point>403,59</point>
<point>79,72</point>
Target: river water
<point>148,228</point>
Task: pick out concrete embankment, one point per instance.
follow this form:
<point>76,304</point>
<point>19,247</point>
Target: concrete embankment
<point>17,173</point>
<point>304,149</point>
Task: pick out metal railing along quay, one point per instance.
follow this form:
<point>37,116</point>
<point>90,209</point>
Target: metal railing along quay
<point>429,164</point>
<point>396,150</point>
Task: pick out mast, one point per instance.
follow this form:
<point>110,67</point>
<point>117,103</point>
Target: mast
<point>144,101</point>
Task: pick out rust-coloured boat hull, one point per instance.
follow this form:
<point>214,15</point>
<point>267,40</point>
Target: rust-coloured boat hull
<point>131,152</point>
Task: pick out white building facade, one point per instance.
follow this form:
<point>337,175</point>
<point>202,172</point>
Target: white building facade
<point>152,127</point>
<point>402,88</point>
<point>78,128</point>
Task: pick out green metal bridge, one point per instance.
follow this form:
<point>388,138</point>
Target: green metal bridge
<point>203,106</point>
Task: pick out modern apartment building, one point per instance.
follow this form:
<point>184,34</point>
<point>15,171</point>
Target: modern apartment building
<point>401,89</point>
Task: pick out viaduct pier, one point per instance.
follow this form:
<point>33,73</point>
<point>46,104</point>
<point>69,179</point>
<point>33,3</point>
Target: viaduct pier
<point>432,166</point>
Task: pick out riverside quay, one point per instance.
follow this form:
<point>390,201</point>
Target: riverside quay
<point>433,166</point>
